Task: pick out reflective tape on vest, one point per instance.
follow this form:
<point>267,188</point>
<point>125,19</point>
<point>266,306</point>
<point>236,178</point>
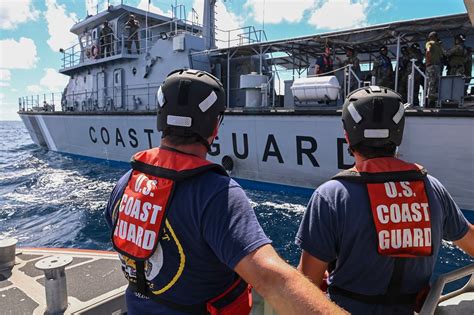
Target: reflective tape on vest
<point>401,214</point>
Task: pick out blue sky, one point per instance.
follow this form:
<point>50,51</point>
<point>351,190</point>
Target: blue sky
<point>32,31</point>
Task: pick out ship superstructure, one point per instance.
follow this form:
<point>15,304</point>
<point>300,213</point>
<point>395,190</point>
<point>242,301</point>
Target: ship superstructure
<point>283,123</point>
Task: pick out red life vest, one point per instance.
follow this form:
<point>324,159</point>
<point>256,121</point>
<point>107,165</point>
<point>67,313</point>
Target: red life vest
<point>139,222</point>
<point>399,205</point>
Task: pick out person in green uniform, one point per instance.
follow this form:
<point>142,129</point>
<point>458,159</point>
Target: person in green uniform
<point>132,28</point>
<point>434,57</point>
<point>457,56</point>
<point>106,40</point>
<point>353,60</point>
<point>383,70</point>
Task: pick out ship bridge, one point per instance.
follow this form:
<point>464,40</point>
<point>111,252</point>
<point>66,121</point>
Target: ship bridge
<point>94,48</point>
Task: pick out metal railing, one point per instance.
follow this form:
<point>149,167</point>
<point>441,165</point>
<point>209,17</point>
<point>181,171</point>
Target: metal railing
<point>415,70</point>
<point>242,36</point>
<point>125,98</point>
<point>101,47</point>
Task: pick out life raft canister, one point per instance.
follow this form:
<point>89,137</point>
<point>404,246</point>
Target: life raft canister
<point>399,205</point>
<point>139,222</point>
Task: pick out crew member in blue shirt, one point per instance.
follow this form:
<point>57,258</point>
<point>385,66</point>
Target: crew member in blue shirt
<point>377,228</point>
<point>187,236</point>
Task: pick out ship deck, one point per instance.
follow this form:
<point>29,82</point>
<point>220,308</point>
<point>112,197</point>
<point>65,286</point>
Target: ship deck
<point>269,111</point>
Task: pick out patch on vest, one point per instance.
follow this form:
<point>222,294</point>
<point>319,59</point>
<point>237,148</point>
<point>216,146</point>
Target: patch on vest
<point>172,260</point>
<point>402,219</point>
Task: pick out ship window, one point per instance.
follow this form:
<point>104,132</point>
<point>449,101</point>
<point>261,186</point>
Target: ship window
<point>85,79</point>
<point>116,78</point>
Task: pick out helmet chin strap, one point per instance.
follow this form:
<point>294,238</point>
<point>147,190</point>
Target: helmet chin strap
<point>205,143</point>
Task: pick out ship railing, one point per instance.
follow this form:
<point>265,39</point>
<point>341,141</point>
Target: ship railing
<point>242,36</point>
<point>139,97</point>
<point>47,102</point>
<point>105,46</point>
<point>412,80</point>
<point>351,80</point>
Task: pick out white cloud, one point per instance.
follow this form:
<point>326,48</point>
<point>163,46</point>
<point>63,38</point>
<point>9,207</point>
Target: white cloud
<point>225,20</point>
<point>34,88</point>
<point>53,80</point>
<point>59,23</point>
<point>4,84</point>
<point>277,11</point>
<point>340,14</point>
<point>92,6</point>
<point>18,54</point>
<point>5,75</point>
<point>144,6</point>
<point>15,12</point>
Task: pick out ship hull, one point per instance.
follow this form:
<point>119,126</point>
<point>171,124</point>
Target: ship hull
<point>302,150</point>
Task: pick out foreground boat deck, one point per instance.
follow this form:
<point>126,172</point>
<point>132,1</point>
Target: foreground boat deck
<point>95,283</point>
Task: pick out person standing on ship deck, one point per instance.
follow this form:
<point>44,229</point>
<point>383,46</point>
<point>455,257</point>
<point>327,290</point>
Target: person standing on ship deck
<point>417,54</point>
<point>380,224</point>
<point>434,67</point>
<point>131,29</point>
<point>210,243</point>
<point>383,70</point>
<point>353,60</point>
<point>324,63</point>
<point>404,70</point>
<point>106,40</point>
<point>457,56</point>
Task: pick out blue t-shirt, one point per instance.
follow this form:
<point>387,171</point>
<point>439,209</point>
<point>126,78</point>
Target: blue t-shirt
<point>338,225</point>
<point>210,227</point>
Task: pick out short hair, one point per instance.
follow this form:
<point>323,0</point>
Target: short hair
<point>181,140</point>
<point>369,152</point>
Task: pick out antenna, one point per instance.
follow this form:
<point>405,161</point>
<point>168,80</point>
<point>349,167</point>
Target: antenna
<point>263,16</point>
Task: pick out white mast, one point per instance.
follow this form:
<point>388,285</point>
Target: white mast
<point>209,24</point>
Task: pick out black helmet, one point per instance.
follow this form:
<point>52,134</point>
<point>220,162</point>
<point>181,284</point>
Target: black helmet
<point>460,37</point>
<point>349,47</point>
<point>374,116</point>
<point>189,103</point>
<point>415,46</point>
<point>433,35</point>
<point>404,49</point>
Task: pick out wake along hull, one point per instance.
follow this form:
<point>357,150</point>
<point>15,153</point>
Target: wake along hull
<point>302,150</point>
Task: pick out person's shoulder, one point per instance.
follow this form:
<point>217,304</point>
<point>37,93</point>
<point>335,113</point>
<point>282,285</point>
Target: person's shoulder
<point>435,183</point>
<point>333,190</point>
<point>212,183</point>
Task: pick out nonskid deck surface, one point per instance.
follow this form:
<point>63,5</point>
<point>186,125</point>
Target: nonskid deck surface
<point>95,284</point>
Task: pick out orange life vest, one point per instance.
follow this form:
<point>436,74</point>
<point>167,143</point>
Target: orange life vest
<point>138,223</point>
<point>399,204</point>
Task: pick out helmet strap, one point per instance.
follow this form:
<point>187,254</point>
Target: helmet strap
<point>204,142</point>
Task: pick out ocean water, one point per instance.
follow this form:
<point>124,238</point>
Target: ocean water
<point>49,199</point>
